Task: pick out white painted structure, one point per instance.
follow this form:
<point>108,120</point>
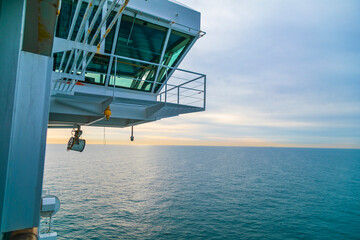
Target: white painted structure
<point>140,51</point>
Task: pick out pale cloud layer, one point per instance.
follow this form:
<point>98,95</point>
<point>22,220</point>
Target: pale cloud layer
<point>280,73</point>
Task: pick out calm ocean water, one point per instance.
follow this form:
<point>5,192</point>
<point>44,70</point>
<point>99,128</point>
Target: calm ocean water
<point>176,192</point>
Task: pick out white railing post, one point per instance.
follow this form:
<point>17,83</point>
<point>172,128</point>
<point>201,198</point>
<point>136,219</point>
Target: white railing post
<point>178,94</point>
<point>113,51</point>
<point>204,92</point>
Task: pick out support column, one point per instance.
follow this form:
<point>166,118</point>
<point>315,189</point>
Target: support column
<point>27,29</point>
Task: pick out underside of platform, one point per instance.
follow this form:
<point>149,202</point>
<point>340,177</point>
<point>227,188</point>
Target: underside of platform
<point>89,111</point>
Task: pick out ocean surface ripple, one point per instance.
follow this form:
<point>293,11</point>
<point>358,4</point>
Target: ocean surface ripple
<point>182,192</point>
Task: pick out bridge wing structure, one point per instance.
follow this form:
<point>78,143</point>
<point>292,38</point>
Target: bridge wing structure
<point>125,55</point>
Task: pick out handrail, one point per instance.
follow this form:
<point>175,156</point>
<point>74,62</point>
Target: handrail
<point>184,83</point>
<point>175,92</point>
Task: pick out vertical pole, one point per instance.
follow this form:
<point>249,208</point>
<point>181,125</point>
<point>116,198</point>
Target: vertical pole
<point>179,61</point>
<point>113,50</point>
<point>204,92</point>
<point>114,78</point>
<point>115,71</point>
<point>73,22</point>
<point>161,58</point>
<point>84,52</point>
<point>132,134</point>
<point>103,28</point>
<point>178,95</point>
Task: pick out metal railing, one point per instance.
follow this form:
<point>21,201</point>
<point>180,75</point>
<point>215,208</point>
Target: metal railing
<point>75,61</point>
<point>190,91</point>
<point>177,86</point>
<point>169,84</point>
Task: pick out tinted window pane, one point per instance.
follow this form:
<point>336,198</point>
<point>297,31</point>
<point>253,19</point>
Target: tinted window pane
<point>177,44</point>
<point>64,19</point>
<point>139,39</point>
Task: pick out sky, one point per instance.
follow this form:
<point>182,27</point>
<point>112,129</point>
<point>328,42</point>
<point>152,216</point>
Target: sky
<point>280,73</point>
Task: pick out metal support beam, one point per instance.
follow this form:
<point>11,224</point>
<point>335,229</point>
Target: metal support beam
<point>102,37</point>
<point>76,14</point>
<point>103,21</point>
<point>113,51</point>
<point>61,45</point>
<point>162,57</point>
<point>24,100</point>
<point>103,29</point>
<point>80,33</point>
<point>12,11</point>
<point>178,63</point>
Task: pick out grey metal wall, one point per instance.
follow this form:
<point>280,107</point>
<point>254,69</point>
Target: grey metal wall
<point>24,107</point>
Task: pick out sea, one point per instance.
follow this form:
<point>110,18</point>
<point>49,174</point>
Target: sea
<point>198,192</point>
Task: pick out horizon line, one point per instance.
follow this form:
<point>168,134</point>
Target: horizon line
<point>201,145</point>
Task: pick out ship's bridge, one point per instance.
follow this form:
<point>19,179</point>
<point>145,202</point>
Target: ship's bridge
<point>125,55</point>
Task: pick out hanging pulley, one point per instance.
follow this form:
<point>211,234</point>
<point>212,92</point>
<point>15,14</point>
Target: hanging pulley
<point>75,143</point>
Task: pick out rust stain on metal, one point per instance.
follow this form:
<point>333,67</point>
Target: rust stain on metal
<point>43,33</point>
<point>46,10</point>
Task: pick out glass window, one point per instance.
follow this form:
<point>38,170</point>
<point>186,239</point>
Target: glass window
<point>96,78</point>
<point>139,39</point>
<point>96,71</point>
<point>177,44</point>
<point>110,37</point>
<point>67,12</point>
<point>99,64</point>
<point>132,75</point>
<point>64,19</point>
<point>58,57</point>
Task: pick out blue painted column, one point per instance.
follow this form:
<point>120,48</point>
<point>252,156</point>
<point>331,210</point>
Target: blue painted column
<point>27,29</point>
